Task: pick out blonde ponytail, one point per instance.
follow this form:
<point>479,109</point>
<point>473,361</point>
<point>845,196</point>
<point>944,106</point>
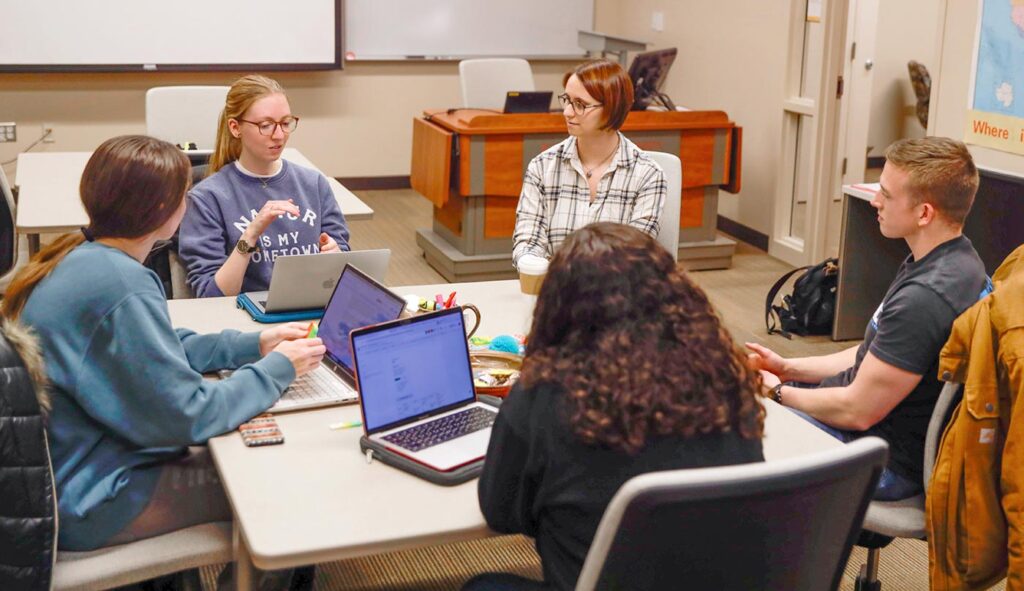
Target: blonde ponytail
<point>243,93</point>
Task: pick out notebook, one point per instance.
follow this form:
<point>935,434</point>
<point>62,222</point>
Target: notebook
<point>358,300</point>
<point>306,281</point>
<point>416,390</point>
<point>528,101</point>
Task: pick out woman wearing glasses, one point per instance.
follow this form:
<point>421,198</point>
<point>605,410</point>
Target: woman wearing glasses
<point>596,175</point>
<point>255,206</point>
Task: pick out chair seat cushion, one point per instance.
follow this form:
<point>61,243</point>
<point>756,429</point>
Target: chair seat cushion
<point>115,566</point>
<point>900,519</point>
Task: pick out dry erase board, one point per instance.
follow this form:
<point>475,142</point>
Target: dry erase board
<point>137,35</point>
<point>454,29</point>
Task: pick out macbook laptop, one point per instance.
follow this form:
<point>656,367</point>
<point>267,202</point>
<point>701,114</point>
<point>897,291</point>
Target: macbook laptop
<point>357,301</point>
<point>416,390</point>
<point>528,101</point>
<point>305,281</point>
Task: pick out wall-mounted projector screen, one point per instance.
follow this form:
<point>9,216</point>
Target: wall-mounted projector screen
<point>155,35</point>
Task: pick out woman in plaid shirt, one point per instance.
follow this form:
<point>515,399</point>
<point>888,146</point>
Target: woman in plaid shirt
<point>596,175</point>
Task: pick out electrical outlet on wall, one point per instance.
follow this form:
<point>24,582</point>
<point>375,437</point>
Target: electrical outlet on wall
<point>8,132</point>
<point>49,139</point>
<point>658,21</point>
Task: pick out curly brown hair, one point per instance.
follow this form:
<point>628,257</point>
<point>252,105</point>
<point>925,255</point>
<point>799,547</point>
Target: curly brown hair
<point>636,346</point>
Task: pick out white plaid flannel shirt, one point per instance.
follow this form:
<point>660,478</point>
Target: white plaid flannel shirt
<point>556,198</point>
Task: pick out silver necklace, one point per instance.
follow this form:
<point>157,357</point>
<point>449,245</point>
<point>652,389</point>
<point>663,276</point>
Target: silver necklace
<point>605,159</point>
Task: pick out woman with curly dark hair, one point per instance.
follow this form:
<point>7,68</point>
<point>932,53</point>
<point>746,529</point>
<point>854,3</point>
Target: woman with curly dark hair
<point>628,370</point>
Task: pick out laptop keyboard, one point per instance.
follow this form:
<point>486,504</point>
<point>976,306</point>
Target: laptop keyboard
<point>444,429</point>
<point>316,388</point>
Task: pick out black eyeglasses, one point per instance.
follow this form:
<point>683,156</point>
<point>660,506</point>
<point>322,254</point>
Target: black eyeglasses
<point>288,125</point>
<point>578,106</point>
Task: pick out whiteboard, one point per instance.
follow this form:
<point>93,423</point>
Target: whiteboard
<point>106,35</point>
<point>451,29</point>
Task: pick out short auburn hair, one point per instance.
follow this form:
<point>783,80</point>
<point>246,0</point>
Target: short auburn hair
<point>610,85</point>
<point>941,171</point>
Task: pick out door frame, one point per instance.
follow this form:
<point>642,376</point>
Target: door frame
<point>823,111</point>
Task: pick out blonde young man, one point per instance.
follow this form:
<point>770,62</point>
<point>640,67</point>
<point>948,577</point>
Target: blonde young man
<point>888,385</point>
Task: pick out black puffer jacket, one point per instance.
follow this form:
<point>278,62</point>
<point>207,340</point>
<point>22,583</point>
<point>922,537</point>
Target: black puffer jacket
<point>27,498</point>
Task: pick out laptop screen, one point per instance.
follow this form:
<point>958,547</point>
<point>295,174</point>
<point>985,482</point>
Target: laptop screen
<point>412,368</point>
<point>357,301</point>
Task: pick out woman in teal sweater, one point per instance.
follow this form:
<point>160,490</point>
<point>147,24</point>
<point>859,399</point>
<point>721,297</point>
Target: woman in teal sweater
<point>128,392</point>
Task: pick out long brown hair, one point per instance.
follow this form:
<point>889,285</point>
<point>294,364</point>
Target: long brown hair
<point>635,345</point>
<point>243,93</point>
<point>131,186</point>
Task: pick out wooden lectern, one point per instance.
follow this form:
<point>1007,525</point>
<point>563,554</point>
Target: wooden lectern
<point>470,165</point>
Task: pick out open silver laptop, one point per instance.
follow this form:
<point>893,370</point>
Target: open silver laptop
<point>416,390</point>
<point>357,301</point>
<point>305,281</point>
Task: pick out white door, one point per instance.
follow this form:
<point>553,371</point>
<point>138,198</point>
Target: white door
<point>855,110</point>
<point>807,178</point>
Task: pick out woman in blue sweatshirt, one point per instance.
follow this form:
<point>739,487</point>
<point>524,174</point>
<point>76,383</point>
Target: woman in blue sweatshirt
<point>255,206</point>
<point>127,388</point>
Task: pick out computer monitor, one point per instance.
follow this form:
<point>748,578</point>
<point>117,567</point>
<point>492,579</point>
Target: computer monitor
<point>648,72</point>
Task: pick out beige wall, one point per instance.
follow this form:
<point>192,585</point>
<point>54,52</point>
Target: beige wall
<point>907,30</point>
<point>356,122</point>
<point>951,90</point>
<point>732,57</point>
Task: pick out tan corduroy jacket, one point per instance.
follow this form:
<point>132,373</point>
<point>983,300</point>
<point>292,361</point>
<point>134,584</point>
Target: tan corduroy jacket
<point>975,503</point>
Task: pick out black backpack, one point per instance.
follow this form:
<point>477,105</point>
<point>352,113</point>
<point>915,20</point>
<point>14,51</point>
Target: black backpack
<point>812,305</point>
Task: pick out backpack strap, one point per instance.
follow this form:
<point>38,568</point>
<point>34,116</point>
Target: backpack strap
<point>769,320</point>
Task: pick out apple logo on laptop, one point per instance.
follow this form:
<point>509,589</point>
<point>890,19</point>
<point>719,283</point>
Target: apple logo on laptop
<point>328,284</point>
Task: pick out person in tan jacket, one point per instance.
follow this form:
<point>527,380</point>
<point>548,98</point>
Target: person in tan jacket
<point>975,503</point>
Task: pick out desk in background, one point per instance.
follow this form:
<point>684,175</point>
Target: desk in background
<point>48,198</point>
<point>868,261</point>
<point>315,499</point>
<point>470,165</point>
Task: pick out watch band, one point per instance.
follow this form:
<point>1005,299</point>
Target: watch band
<point>776,393</point>
<point>245,248</point>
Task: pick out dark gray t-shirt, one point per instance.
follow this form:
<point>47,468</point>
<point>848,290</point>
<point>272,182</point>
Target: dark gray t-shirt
<point>908,331</point>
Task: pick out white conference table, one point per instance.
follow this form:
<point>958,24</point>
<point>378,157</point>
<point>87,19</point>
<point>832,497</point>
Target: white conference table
<point>48,199</point>
<point>316,499</point>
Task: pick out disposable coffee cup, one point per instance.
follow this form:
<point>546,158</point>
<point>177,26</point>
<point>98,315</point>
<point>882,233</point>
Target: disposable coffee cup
<point>532,270</point>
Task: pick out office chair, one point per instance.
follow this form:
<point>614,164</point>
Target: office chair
<point>786,524</point>
<point>8,233</point>
<point>180,114</point>
<point>181,551</point>
<point>114,566</point>
<point>905,518</point>
<point>668,228</point>
<point>922,83</point>
<point>485,82</point>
